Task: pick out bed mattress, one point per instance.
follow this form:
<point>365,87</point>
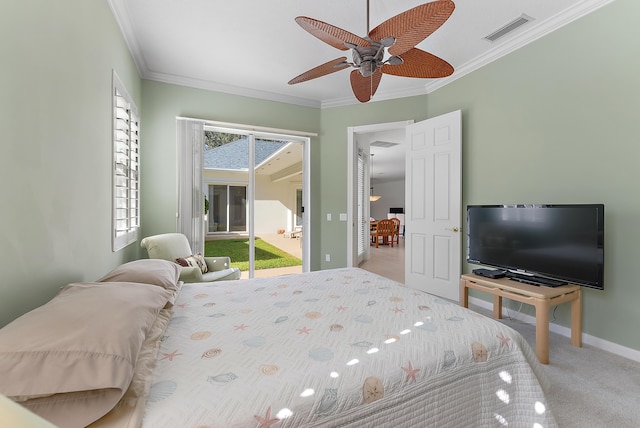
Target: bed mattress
<point>340,347</point>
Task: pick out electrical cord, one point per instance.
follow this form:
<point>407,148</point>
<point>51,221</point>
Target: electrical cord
<point>519,310</point>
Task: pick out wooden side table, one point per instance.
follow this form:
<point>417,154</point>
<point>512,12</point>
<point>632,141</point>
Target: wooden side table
<point>542,298</point>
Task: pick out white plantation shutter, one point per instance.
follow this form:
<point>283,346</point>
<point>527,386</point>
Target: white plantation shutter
<point>126,167</point>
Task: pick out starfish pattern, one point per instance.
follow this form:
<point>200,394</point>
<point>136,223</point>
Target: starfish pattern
<point>304,330</point>
<point>341,308</point>
<point>504,340</point>
<point>170,356</point>
<point>411,372</point>
<point>181,305</point>
<point>275,294</point>
<point>266,422</point>
<point>240,327</point>
<point>397,310</point>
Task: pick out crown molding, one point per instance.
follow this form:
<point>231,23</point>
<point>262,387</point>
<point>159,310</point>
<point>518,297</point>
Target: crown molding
<point>119,10</point>
<point>230,89</point>
<point>379,96</point>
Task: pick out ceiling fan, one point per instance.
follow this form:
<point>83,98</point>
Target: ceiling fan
<point>398,36</point>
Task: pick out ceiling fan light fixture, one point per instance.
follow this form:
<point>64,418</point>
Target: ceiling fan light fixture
<point>387,42</point>
<point>395,60</point>
<point>367,68</point>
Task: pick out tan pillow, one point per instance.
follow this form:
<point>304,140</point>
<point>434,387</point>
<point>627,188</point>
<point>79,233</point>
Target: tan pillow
<point>146,271</point>
<point>130,409</point>
<point>72,359</point>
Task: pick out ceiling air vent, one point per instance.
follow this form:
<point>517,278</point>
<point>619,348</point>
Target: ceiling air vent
<point>509,27</point>
<point>385,144</point>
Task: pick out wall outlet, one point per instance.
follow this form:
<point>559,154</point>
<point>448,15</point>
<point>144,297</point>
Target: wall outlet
<point>327,257</point>
<point>343,216</point>
<point>328,216</point>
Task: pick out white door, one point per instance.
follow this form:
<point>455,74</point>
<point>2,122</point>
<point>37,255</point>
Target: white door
<point>433,215</point>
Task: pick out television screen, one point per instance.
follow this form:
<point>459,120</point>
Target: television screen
<point>564,242</point>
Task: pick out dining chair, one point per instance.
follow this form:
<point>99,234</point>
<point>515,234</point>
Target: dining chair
<point>396,231</point>
<point>385,230</point>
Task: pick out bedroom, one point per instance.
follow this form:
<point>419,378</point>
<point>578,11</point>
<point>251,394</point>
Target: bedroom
<point>553,122</point>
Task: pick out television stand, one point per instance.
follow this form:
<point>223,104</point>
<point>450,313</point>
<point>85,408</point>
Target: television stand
<point>542,298</point>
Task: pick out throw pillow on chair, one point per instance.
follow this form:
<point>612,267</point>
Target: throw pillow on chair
<point>194,260</point>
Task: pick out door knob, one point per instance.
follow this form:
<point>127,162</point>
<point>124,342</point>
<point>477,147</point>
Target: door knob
<point>454,229</point>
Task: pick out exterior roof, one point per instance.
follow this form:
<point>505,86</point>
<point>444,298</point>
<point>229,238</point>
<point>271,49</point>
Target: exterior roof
<point>235,155</point>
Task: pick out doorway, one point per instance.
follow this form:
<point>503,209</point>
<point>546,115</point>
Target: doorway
<point>433,197</point>
<point>387,142</point>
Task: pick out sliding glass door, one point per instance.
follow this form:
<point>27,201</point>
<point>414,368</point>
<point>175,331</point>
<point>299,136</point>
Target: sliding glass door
<point>255,192</point>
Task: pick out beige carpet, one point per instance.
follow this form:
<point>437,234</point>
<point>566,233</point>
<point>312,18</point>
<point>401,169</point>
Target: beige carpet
<point>590,388</point>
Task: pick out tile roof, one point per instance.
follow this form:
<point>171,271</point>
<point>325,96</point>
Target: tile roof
<point>235,155</point>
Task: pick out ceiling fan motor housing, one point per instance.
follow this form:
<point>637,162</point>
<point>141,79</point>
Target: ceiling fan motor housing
<point>368,58</point>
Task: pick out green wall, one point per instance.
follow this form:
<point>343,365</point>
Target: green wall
<point>556,122</point>
<point>55,121</point>
<point>164,102</point>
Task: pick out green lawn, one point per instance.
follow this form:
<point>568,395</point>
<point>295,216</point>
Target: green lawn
<point>267,256</point>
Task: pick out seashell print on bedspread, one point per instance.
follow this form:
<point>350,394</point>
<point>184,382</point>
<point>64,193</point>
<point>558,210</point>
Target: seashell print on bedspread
<point>302,350</point>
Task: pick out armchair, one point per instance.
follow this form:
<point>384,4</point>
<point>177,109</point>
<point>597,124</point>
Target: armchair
<point>171,246</point>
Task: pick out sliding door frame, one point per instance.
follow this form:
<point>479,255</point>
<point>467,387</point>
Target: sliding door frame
<point>253,133</point>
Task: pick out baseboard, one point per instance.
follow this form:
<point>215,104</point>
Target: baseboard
<point>596,342</point>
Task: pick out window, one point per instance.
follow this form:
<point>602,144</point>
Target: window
<point>228,208</point>
<point>126,167</point>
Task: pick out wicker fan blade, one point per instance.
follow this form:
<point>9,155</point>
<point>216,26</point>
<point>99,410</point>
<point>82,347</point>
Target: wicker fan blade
<point>418,63</point>
<point>413,26</point>
<point>329,34</point>
<point>321,70</point>
<point>364,87</point>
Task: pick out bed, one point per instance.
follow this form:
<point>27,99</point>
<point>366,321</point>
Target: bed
<point>340,347</point>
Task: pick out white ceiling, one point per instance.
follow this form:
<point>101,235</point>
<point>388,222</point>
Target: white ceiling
<point>254,47</point>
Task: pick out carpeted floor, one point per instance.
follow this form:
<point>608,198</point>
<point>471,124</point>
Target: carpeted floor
<point>590,388</point>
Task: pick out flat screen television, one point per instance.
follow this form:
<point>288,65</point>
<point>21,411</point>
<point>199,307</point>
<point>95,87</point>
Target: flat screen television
<point>560,242</point>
